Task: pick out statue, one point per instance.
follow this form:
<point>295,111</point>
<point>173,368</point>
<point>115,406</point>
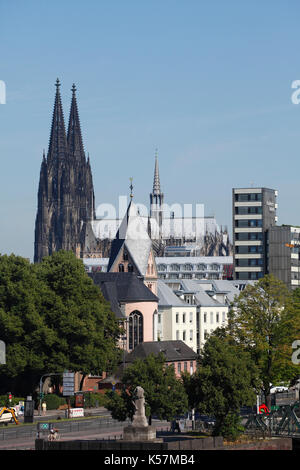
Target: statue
<point>139,418</point>
<point>139,430</point>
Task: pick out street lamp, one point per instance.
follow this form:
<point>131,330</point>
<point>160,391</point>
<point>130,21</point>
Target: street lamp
<point>41,385</point>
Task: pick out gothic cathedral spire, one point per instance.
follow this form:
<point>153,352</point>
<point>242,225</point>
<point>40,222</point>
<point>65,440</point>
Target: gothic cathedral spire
<point>66,194</point>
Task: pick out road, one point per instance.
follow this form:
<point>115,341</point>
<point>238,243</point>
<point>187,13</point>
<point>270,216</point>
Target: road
<point>98,426</point>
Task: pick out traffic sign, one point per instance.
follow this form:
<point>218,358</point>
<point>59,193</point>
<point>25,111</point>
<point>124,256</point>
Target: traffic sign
<point>2,352</point>
<point>68,384</point>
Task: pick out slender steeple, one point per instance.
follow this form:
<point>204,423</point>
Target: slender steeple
<point>156,181</point>
<point>156,203</point>
<point>58,140</point>
<point>74,138</point>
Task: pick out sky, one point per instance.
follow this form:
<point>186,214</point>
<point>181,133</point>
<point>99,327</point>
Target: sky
<point>206,83</point>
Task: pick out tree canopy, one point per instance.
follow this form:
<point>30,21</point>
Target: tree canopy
<point>265,319</point>
<point>224,381</point>
<point>52,318</point>
<point>165,396</point>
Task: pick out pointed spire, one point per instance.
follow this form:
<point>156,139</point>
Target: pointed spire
<point>131,188</point>
<point>58,141</point>
<point>75,144</point>
<point>156,181</point>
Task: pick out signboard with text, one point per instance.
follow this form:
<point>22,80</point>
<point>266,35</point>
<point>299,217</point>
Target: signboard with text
<point>68,384</point>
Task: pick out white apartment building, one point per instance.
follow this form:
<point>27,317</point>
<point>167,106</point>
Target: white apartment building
<point>202,305</point>
<point>176,319</point>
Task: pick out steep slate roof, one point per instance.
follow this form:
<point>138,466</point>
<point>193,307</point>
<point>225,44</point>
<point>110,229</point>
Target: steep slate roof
<point>122,287</point>
<point>134,236</point>
<point>202,298</point>
<point>173,350</point>
<point>167,297</point>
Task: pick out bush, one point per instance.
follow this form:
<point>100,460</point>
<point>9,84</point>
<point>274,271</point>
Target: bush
<point>53,401</point>
<point>4,401</point>
<point>94,400</point>
<point>229,426</point>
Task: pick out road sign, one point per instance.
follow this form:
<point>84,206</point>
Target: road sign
<point>2,352</point>
<point>68,384</point>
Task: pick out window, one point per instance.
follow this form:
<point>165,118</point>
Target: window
<point>206,334</point>
<point>188,267</point>
<point>191,335</point>
<point>175,267</point>
<point>217,317</point>
<point>183,335</point>
<point>185,366</point>
<point>177,317</point>
<point>183,317</point>
<point>191,367</point>
<point>211,317</point>
<point>179,367</point>
<point>223,316</point>
<point>121,268</point>
<point>130,268</point>
<point>125,256</point>
<point>205,317</point>
<point>177,334</point>
<point>191,317</point>
<point>159,318</point>
<point>135,329</point>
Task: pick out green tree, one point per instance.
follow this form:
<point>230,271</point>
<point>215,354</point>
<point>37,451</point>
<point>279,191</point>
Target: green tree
<point>266,321</point>
<point>52,318</point>
<point>165,396</point>
<point>224,381</point>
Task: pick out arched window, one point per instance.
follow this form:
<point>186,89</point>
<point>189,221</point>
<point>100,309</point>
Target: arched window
<point>135,329</point>
<point>121,268</point>
<point>130,268</point>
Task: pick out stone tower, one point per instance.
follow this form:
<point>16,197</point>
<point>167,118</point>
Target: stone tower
<point>66,195</point>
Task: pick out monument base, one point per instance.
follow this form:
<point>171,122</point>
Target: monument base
<point>139,433</point>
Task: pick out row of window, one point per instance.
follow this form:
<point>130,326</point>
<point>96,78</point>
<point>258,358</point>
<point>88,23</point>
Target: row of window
<point>184,317</point>
<point>184,335</point>
<point>214,317</point>
<point>243,210</point>
<point>189,267</point>
<point>189,276</point>
<point>244,236</point>
<point>243,263</point>
<point>244,223</point>
<point>245,249</point>
<point>248,197</point>
<point>252,276</point>
<point>183,367</point>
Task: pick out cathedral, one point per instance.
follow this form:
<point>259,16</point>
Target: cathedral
<point>66,216</point>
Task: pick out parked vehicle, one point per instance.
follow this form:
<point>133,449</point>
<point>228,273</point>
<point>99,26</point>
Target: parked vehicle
<point>8,415</point>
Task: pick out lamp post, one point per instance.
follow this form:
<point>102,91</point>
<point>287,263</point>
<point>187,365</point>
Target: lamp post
<point>41,385</point>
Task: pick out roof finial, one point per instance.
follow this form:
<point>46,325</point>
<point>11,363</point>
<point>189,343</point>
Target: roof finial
<point>73,89</point>
<point>57,84</point>
<point>131,188</point>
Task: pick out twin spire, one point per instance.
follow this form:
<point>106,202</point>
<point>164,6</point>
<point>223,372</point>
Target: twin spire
<point>60,143</point>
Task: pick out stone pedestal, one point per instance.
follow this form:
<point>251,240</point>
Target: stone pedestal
<point>139,433</point>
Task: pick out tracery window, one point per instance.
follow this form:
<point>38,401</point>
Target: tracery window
<point>135,329</point>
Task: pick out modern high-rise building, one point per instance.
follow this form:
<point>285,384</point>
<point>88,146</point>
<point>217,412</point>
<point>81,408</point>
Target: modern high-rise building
<point>253,213</point>
<point>284,249</point>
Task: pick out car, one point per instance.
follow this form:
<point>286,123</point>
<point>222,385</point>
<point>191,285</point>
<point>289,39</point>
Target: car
<point>6,417</point>
<point>279,389</point>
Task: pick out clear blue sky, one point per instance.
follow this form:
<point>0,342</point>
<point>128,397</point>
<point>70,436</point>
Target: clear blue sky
<point>206,82</point>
